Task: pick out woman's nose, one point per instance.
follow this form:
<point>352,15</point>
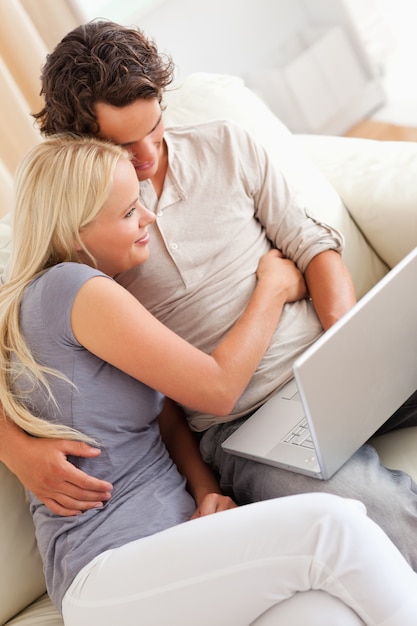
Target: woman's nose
<point>146,217</point>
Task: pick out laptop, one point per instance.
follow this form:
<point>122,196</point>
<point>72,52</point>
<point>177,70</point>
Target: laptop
<point>345,386</point>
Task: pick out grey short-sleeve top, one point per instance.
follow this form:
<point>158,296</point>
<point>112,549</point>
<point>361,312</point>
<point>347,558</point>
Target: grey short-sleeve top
<point>120,413</point>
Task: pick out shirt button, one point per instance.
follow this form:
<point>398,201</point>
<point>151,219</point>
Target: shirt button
<point>173,246</point>
<point>159,214</point>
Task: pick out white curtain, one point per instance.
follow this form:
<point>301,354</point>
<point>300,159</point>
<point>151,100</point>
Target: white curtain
<point>29,29</point>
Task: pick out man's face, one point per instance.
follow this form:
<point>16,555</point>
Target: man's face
<point>139,128</point>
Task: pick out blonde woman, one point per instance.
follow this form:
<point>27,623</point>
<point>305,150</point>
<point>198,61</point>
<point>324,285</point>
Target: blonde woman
<point>81,359</point>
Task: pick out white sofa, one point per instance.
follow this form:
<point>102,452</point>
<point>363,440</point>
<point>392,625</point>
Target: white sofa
<point>365,188</point>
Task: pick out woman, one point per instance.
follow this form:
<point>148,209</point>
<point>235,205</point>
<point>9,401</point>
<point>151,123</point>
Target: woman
<point>80,358</point>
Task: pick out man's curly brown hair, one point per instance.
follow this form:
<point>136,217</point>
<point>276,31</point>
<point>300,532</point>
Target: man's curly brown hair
<point>99,62</point>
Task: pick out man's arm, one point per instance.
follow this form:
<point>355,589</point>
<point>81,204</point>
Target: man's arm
<point>42,466</point>
<point>184,451</point>
<point>330,287</point>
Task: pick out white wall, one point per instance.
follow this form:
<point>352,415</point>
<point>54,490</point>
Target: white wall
<point>225,36</point>
<point>237,36</point>
<point>399,81</point>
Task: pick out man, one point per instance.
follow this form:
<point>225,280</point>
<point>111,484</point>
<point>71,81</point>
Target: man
<point>219,203</point>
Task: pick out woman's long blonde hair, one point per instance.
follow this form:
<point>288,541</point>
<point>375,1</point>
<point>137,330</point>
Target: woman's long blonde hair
<point>60,186</point>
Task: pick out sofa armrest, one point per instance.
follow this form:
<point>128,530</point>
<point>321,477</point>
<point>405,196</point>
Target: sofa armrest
<point>21,576</point>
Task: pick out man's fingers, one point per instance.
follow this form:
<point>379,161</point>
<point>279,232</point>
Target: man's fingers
<point>56,508</point>
<point>85,486</point>
<point>100,489</point>
<point>79,448</point>
<point>67,507</point>
<point>213,503</point>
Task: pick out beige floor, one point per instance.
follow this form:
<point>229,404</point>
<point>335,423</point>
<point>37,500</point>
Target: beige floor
<point>385,131</point>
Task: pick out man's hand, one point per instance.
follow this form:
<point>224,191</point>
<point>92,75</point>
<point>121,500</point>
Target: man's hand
<point>185,452</point>
<point>42,466</point>
<point>213,503</point>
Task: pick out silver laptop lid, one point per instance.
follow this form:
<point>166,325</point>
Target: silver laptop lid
<point>367,365</point>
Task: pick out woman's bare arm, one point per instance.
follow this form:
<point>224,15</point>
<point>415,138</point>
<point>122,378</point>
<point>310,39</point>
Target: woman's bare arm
<point>42,465</point>
<point>112,324</point>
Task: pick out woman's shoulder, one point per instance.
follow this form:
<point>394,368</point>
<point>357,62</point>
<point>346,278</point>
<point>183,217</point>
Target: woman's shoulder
<point>49,297</point>
<point>72,269</point>
<point>68,276</point>
<point>60,283</point>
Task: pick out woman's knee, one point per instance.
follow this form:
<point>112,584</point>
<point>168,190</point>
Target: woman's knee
<point>310,608</point>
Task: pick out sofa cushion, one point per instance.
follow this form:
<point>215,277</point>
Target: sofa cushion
<point>397,450</point>
<point>21,574</point>
<point>201,96</point>
<point>40,613</point>
<point>376,180</point>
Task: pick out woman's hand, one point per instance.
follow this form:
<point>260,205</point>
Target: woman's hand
<point>213,503</point>
<point>282,275</point>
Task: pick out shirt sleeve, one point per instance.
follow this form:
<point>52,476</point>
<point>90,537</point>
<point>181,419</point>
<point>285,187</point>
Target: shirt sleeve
<point>285,216</point>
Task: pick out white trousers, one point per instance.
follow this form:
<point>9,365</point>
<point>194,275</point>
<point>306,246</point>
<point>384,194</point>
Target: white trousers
<point>233,569</point>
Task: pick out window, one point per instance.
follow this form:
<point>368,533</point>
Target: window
<point>121,11</point>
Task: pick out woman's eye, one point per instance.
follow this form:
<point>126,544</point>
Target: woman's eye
<point>130,213</point>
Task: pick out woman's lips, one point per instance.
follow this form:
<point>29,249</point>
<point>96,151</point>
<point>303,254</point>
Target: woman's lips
<point>143,240</point>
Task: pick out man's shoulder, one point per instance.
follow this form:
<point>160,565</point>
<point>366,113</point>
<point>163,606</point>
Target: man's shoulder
<point>208,128</point>
<point>218,136</point>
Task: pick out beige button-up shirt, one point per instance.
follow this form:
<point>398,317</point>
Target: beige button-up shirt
<point>222,207</point>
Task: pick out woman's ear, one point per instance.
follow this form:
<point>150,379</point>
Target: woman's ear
<point>77,246</point>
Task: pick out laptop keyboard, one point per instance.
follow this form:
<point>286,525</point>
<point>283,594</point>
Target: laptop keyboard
<point>299,435</point>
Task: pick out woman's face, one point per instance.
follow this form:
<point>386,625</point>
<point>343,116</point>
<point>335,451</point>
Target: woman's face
<point>118,237</point>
